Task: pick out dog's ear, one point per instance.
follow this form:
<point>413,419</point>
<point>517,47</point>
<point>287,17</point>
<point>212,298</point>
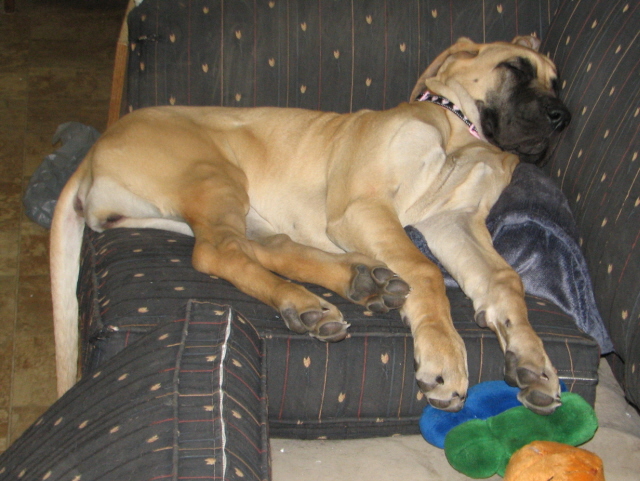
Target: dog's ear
<point>530,41</point>
<point>463,48</point>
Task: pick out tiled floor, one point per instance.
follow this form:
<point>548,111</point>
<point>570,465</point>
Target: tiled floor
<point>56,60</point>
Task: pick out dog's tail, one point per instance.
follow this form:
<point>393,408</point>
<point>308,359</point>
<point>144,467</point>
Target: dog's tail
<point>66,241</point>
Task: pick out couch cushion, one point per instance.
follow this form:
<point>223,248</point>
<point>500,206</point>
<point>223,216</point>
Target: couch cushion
<point>134,280</point>
<point>185,401</point>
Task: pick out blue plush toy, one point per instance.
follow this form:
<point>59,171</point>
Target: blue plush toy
<point>484,400</point>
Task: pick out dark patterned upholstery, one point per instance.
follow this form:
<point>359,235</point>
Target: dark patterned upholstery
<point>596,162</point>
<point>362,386</point>
<point>327,55</point>
<point>186,401</point>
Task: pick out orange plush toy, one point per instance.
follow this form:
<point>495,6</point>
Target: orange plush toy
<point>545,460</point>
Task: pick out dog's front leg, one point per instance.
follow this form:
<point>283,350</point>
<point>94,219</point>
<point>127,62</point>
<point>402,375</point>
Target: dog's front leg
<point>460,241</point>
<point>373,229</point>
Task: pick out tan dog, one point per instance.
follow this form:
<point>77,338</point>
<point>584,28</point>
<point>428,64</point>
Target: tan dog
<point>323,198</point>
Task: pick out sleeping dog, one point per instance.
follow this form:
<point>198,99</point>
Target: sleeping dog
<point>323,198</point>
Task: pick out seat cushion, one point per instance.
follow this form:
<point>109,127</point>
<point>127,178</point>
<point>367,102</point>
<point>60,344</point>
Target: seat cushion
<point>185,401</point>
<point>135,280</point>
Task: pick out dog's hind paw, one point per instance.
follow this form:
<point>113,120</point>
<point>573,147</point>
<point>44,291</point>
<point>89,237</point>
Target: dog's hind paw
<point>377,288</point>
<point>325,323</point>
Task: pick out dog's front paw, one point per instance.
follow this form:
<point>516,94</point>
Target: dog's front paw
<point>377,288</point>
<point>527,365</point>
<point>441,369</point>
<point>539,385</point>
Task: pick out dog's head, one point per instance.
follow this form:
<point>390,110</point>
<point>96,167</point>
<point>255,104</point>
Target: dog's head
<point>515,89</point>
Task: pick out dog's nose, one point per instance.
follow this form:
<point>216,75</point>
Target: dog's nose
<point>559,117</point>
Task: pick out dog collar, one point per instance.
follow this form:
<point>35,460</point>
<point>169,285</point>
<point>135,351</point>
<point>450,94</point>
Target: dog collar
<point>427,96</point>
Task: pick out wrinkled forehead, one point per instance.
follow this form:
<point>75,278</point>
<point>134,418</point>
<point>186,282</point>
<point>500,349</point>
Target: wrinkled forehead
<point>499,52</point>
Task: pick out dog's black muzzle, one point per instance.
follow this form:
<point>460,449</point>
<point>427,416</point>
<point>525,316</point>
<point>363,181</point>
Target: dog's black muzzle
<point>557,114</point>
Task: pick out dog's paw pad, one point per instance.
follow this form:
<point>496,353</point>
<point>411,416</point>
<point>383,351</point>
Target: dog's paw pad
<point>292,320</point>
<point>331,331</point>
<point>311,318</point>
<point>452,402</point>
<point>378,288</point>
<point>540,391</point>
<point>539,402</point>
<point>325,323</point>
<point>440,395</point>
<point>481,319</point>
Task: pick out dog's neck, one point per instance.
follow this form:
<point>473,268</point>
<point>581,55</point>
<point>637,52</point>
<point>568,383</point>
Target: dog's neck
<point>428,96</point>
<point>455,99</point>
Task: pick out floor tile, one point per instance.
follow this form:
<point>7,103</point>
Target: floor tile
<point>11,202</point>
<point>22,417</point>
<point>34,313</point>
<point>13,84</point>
<point>73,40</point>
<point>34,250</point>
<point>59,83</point>
<point>8,306</point>
<point>82,53</point>
<point>4,429</point>
<point>34,377</point>
<point>9,252</point>
<point>13,56</point>
<point>13,113</point>
<point>37,146</point>
<point>46,115</point>
<point>76,25</point>
<point>14,31</point>
<point>10,199</point>
<point>11,155</point>
<point>6,368</point>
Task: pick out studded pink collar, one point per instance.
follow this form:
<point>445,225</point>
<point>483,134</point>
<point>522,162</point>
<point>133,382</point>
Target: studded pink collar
<point>444,102</point>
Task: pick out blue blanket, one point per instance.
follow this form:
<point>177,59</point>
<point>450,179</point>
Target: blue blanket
<point>533,229</point>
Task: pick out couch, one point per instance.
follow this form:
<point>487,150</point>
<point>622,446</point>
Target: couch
<point>184,376</point>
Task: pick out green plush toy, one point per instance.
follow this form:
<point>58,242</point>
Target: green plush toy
<point>482,448</point>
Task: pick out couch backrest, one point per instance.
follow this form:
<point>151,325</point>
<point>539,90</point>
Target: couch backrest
<point>337,55</point>
<point>595,45</point>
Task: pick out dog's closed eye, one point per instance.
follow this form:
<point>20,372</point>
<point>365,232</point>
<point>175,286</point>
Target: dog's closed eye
<point>521,68</point>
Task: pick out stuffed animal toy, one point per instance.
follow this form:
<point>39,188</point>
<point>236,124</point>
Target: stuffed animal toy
<point>545,460</point>
<point>480,439</point>
<point>484,400</point>
<point>481,448</point>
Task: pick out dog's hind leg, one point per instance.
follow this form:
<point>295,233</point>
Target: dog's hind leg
<point>215,207</point>
<point>354,276</point>
<point>460,241</point>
